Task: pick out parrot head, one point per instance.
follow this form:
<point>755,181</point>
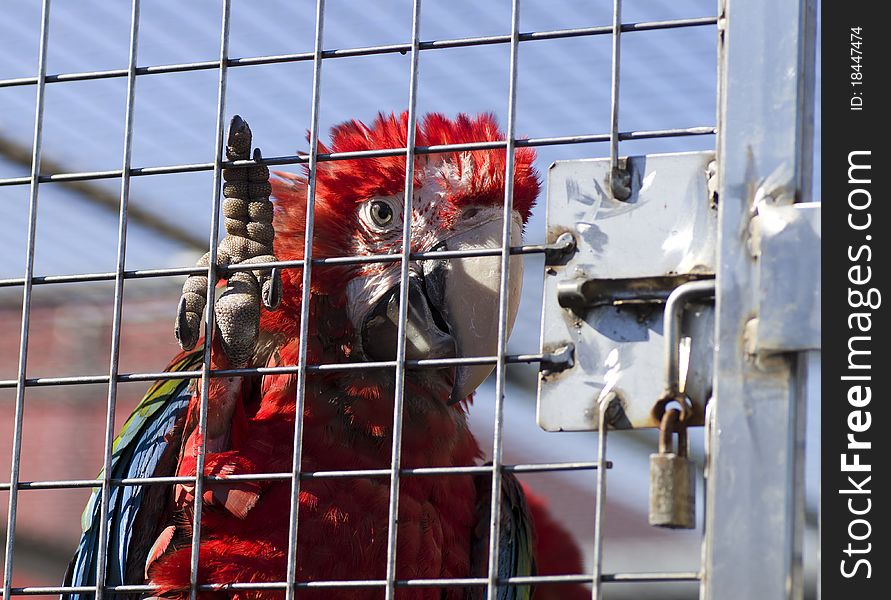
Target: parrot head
<point>457,204</point>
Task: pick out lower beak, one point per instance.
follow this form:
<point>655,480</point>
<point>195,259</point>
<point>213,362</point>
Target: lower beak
<point>453,307</point>
<point>426,332</point>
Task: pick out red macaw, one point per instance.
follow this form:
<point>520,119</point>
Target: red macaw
<point>348,414</point>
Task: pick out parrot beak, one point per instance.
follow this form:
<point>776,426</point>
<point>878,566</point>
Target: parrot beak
<point>470,298</point>
<point>426,332</point>
<point>452,304</point>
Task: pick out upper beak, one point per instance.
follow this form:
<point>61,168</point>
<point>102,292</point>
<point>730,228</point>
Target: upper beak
<point>453,307</point>
<point>426,333</point>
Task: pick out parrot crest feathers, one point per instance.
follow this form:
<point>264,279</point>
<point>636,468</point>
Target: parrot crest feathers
<point>463,177</point>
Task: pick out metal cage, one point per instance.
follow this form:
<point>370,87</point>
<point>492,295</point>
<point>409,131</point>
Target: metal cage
<point>754,518</point>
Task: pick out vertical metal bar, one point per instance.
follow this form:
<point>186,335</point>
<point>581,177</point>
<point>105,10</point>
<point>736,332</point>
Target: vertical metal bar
<point>503,291</point>
<point>600,496</point>
<point>399,388</point>
<point>618,180</point>
<point>26,301</point>
<point>211,286</point>
<point>304,303</point>
<point>763,142</point>
<point>102,548</point>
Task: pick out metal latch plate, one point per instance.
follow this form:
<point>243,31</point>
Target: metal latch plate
<point>665,233</point>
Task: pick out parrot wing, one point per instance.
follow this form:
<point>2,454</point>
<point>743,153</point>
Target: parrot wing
<point>516,546</point>
<point>137,452</point>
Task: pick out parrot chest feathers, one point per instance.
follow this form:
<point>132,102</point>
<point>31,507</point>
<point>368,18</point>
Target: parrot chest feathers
<point>342,522</point>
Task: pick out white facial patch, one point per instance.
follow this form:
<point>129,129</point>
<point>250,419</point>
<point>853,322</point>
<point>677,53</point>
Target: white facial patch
<point>432,223</point>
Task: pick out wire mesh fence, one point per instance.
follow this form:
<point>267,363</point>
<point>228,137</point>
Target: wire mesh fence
<point>137,222</point>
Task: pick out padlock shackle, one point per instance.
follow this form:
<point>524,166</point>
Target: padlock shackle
<point>671,423</point>
<point>671,326</point>
<point>685,405</point>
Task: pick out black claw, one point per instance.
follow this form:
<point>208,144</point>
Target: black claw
<point>238,143</point>
<point>184,335</point>
<point>272,293</point>
<point>454,398</point>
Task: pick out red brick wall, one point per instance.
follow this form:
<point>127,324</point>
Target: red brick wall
<point>63,432</point>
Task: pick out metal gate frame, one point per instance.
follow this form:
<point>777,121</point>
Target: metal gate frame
<point>755,435</point>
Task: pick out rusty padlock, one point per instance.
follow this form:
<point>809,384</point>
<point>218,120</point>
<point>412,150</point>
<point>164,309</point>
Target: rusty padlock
<point>672,478</point>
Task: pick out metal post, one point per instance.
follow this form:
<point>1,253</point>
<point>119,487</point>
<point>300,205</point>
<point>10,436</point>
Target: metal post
<point>102,558</point>
<point>34,180</point>
<point>492,589</point>
<point>399,388</point>
<point>754,509</point>
<point>603,405</point>
<point>291,574</point>
<point>209,310</point>
<point>619,181</point>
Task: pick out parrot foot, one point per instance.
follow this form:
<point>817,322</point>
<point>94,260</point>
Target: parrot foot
<point>249,240</point>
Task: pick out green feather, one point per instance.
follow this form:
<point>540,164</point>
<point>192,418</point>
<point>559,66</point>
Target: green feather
<point>518,534</point>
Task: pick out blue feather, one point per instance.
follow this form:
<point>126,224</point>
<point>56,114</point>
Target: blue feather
<point>516,544</point>
<point>136,453</point>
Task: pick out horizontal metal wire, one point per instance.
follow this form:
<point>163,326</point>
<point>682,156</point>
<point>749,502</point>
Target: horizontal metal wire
<point>329,156</point>
<point>424,363</point>
<point>287,264</point>
<point>307,475</point>
<point>648,577</point>
<point>555,34</point>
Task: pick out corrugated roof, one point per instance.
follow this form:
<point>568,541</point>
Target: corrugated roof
<point>668,81</point>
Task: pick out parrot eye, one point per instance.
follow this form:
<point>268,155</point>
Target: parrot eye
<point>379,214</point>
